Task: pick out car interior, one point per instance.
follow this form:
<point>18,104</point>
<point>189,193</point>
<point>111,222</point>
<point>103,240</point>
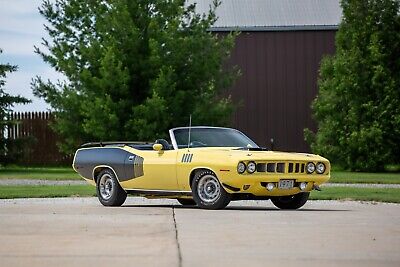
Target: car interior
<point>163,142</point>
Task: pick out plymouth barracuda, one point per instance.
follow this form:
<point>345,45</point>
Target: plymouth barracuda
<point>203,166</point>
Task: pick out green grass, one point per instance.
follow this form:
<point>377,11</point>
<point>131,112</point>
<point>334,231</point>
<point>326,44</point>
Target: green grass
<point>41,191</point>
<point>363,177</point>
<point>70,174</point>
<point>351,193</point>
<point>39,173</point>
<point>332,193</point>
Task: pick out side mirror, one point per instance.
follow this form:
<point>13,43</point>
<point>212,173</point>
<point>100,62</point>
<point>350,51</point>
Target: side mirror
<point>157,147</point>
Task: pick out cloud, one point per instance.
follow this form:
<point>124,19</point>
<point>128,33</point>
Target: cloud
<point>21,28</point>
<point>20,7</point>
<point>18,83</point>
<point>15,44</point>
<point>21,17</point>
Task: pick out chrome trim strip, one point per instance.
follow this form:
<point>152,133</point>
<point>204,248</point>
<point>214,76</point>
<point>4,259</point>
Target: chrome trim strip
<point>173,140</point>
<point>157,192</point>
<point>160,190</point>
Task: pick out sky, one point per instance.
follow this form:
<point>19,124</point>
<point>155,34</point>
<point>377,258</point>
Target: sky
<point>21,27</point>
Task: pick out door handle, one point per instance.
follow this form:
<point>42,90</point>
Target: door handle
<point>130,158</point>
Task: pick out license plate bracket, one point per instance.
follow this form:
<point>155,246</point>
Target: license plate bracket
<point>286,184</point>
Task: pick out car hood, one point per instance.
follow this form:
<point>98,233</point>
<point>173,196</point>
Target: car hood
<point>238,154</point>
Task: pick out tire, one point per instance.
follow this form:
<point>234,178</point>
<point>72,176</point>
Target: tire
<point>186,201</point>
<point>291,202</point>
<point>208,192</point>
<point>109,192</point>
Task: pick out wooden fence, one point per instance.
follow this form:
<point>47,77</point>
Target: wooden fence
<point>41,141</point>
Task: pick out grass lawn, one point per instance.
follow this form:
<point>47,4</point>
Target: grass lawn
<point>39,173</point>
<point>47,191</point>
<point>331,193</point>
<point>69,174</point>
<point>364,177</point>
<point>351,193</point>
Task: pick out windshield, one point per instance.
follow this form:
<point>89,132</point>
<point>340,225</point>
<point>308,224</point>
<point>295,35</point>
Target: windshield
<point>212,137</point>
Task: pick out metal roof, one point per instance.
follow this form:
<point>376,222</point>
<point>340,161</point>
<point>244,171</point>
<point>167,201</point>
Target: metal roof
<point>273,15</point>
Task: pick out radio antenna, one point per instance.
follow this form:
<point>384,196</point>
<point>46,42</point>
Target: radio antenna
<point>190,126</point>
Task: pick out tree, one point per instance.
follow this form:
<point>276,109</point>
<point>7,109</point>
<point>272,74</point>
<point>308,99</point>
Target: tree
<point>7,101</point>
<point>133,68</point>
<point>358,105</point>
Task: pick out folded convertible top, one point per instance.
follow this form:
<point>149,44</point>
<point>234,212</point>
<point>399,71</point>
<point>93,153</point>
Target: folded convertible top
<point>113,143</point>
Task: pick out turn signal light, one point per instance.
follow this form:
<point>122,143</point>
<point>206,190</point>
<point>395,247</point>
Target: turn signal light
<point>270,186</point>
<point>303,186</point>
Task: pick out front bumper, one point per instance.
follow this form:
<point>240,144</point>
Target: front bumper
<point>255,184</point>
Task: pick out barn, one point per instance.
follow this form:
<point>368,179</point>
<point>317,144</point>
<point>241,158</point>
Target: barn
<point>279,50</point>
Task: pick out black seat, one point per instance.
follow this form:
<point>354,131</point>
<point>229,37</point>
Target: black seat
<point>164,143</point>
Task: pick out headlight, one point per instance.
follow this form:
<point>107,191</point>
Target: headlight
<point>241,167</point>
<point>310,167</point>
<point>320,168</point>
<point>251,167</point>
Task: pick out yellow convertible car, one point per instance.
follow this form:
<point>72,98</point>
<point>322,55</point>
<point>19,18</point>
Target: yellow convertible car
<point>203,166</point>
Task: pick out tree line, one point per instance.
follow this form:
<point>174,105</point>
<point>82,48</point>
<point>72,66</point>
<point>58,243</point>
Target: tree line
<point>133,69</point>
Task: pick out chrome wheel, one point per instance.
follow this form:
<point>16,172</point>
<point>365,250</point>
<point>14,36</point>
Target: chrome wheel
<point>208,193</point>
<point>106,187</point>
<point>109,192</point>
<point>208,189</point>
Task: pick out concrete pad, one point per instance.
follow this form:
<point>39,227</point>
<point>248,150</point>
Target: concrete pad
<point>80,232</point>
<point>323,233</point>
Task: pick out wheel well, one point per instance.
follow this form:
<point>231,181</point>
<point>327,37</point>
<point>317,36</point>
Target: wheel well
<point>193,174</point>
<point>97,170</point>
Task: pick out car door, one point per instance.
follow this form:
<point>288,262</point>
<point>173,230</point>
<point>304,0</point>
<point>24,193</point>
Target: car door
<point>158,171</point>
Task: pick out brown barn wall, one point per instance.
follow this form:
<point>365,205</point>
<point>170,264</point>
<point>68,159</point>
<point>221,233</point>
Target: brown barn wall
<point>276,88</point>
<point>278,84</point>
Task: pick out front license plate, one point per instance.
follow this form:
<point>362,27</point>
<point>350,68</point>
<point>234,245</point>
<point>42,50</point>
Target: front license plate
<point>285,184</point>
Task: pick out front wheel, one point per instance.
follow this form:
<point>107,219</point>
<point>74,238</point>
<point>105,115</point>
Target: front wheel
<point>291,202</point>
<point>109,192</point>
<point>208,192</point>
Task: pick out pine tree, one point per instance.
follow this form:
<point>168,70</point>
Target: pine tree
<point>133,68</point>
<point>7,101</point>
<point>358,106</point>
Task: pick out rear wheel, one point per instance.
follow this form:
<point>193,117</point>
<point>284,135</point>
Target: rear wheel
<point>208,192</point>
<point>109,192</point>
<point>186,201</point>
<point>291,202</point>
